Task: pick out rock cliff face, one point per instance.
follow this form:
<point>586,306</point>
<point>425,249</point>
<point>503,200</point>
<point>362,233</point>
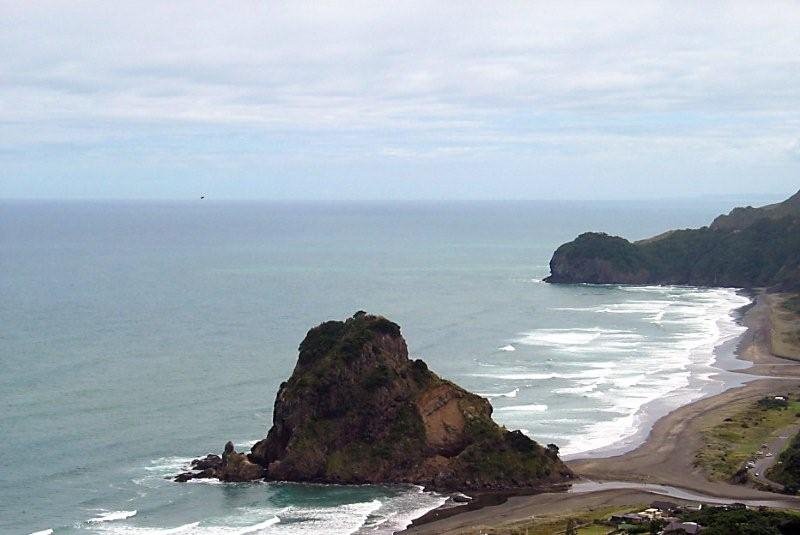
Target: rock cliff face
<point>748,247</point>
<point>357,410</point>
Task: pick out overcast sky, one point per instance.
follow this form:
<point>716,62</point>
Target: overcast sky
<point>399,100</point>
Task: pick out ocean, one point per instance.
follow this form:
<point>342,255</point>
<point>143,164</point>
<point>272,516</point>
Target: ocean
<point>136,336</point>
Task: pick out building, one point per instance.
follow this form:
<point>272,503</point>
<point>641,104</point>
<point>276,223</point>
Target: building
<point>681,528</point>
<point>664,507</point>
<point>630,518</point>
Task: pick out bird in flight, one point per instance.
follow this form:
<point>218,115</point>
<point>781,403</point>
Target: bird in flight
<point>202,196</point>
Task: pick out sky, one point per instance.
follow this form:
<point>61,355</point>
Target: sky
<point>398,100</point>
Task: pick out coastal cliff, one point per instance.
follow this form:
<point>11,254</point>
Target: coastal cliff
<point>357,410</point>
<point>749,247</point>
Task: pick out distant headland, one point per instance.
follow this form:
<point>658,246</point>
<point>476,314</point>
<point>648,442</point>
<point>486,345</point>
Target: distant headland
<point>747,248</point>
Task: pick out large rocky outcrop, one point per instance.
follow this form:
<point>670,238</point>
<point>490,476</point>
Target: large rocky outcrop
<point>357,410</point>
<point>599,258</point>
<point>749,247</point>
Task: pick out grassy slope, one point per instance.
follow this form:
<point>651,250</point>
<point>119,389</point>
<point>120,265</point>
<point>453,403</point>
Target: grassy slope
<point>788,471</point>
<point>550,524</point>
<point>719,521</point>
<point>729,444</point>
<point>785,319</point>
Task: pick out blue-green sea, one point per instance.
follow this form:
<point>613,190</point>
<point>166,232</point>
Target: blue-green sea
<point>135,336</point>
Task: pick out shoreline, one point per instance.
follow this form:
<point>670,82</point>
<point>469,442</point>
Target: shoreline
<point>665,454</point>
<point>727,367</point>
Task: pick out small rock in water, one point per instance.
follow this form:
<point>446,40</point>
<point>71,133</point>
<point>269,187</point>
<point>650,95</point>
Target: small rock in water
<point>209,461</point>
<point>232,466</point>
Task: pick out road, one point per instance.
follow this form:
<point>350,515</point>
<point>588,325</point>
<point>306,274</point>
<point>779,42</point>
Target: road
<point>774,446</point>
<point>587,486</point>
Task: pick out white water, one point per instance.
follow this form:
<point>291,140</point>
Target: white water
<point>587,385</point>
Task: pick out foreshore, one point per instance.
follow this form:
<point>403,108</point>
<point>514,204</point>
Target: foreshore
<point>666,456</point>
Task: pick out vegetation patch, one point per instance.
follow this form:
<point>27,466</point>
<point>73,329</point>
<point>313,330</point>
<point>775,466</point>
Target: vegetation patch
<point>619,252</point>
<point>792,304</point>
<point>785,319</point>
<point>787,470</point>
<point>591,522</point>
<point>730,444</point>
<point>722,521</point>
<point>714,521</point>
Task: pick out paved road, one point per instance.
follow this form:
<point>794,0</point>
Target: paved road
<point>774,446</point>
<point>587,486</point>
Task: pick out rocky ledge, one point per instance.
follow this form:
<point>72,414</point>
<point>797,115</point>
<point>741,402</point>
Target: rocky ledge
<point>357,410</point>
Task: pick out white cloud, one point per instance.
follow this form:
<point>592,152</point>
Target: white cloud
<point>408,80</point>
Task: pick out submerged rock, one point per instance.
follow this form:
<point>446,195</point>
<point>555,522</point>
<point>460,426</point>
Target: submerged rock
<point>357,410</point>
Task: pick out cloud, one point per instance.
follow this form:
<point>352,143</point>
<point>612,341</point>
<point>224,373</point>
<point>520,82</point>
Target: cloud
<point>365,81</point>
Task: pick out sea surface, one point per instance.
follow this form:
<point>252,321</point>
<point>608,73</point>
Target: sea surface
<point>135,336</point>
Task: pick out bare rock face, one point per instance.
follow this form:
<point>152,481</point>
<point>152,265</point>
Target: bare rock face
<point>357,410</point>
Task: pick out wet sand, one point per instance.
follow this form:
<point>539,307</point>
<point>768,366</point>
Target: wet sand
<point>666,456</point>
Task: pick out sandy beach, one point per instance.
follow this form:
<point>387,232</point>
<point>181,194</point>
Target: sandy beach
<point>666,457</point>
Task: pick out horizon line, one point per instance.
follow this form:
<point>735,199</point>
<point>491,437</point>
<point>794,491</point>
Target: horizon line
<point>211,199</point>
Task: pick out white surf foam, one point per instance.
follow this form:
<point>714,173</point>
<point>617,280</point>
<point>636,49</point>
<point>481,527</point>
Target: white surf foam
<point>255,528</point>
<point>110,516</point>
<point>511,394</point>
<point>339,520</point>
<point>577,389</point>
<point>397,513</point>
<point>675,372</point>
<point>508,347</point>
<point>579,340</point>
<point>559,337</point>
<point>656,344</point>
<point>524,408</point>
<point>247,444</point>
<point>169,464</point>
<point>212,481</point>
<point>263,526</point>
<point>192,527</point>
